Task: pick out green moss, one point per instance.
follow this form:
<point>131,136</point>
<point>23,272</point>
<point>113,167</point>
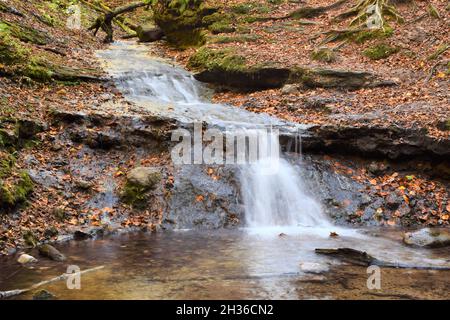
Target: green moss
<point>223,26</point>
<point>30,238</point>
<point>11,50</point>
<point>243,8</point>
<point>13,195</point>
<point>183,24</point>
<point>134,195</point>
<point>38,71</point>
<point>323,55</point>
<point>23,33</point>
<point>6,165</point>
<point>239,39</point>
<point>210,59</point>
<point>364,36</point>
<point>380,51</point>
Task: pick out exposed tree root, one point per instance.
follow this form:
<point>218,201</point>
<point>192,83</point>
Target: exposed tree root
<point>311,12</point>
<point>371,12</point>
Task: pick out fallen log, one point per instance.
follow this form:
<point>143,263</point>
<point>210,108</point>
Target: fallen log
<point>105,20</point>
<point>361,258</point>
<point>64,276</point>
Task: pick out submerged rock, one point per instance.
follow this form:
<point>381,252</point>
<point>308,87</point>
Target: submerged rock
<point>43,295</point>
<point>313,267</point>
<point>26,259</point>
<point>51,252</point>
<point>428,237</point>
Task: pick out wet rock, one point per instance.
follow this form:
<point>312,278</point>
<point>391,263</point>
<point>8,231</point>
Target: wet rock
<point>392,142</point>
<point>393,201</point>
<point>43,295</point>
<point>30,238</point>
<point>60,214</point>
<point>81,235</point>
<point>51,232</point>
<point>198,201</point>
<point>377,168</point>
<point>51,252</point>
<point>150,33</point>
<point>146,177</point>
<point>289,89</point>
<point>428,237</point>
<point>26,259</point>
<point>27,128</point>
<point>83,185</point>
<point>318,103</point>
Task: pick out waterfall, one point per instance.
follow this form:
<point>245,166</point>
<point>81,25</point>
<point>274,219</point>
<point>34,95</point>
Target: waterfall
<point>273,191</point>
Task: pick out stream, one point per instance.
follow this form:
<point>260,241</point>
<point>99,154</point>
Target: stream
<point>271,257</point>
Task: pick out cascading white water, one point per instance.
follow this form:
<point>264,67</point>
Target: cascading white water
<point>273,191</point>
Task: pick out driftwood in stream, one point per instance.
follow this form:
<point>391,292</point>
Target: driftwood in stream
<point>105,20</point>
<point>64,276</point>
<point>364,259</point>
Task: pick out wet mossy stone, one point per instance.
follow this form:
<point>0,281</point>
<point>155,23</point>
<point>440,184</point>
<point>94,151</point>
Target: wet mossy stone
<point>182,22</point>
<point>51,252</point>
<point>140,180</point>
<point>28,128</point>
<point>225,67</point>
<point>43,295</point>
<point>380,51</point>
<point>323,55</point>
<point>13,194</point>
<point>24,33</point>
<point>30,238</point>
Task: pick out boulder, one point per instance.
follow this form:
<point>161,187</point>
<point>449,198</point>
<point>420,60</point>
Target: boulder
<point>144,177</point>
<point>428,237</point>
<point>148,33</point>
<point>26,259</point>
<point>51,252</point>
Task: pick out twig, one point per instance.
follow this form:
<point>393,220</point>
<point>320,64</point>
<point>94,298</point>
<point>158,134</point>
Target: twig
<point>12,293</point>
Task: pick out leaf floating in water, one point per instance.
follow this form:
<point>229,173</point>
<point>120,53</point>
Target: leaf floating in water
<point>333,234</point>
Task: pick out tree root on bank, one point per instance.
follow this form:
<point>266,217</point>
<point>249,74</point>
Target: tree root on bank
<point>64,276</point>
<point>361,258</point>
<point>372,11</point>
<point>312,12</point>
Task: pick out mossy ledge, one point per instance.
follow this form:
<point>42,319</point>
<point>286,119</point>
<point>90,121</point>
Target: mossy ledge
<point>12,195</point>
<point>225,67</point>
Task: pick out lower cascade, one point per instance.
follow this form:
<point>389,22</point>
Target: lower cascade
<point>273,191</point>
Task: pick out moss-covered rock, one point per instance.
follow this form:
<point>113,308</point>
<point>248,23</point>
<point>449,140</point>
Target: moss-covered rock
<point>182,21</point>
<point>380,51</point>
<point>323,55</point>
<point>13,194</point>
<point>23,33</point>
<point>139,181</point>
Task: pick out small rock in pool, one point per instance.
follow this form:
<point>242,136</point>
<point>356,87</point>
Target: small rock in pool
<point>43,295</point>
<point>51,252</point>
<point>428,237</point>
<point>26,258</point>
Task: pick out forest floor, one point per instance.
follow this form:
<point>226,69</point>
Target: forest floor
<point>419,100</point>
